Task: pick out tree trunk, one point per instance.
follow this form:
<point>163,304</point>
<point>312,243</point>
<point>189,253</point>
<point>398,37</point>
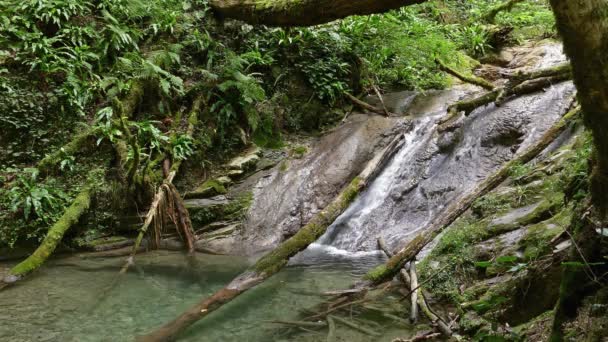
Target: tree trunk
<point>583,25</point>
<point>302,12</point>
<point>276,259</point>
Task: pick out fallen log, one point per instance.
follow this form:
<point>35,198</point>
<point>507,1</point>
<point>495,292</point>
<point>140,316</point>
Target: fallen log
<point>472,79</point>
<point>369,107</point>
<point>519,84</point>
<point>388,270</point>
<point>276,259</point>
<point>69,218</point>
<point>490,16</point>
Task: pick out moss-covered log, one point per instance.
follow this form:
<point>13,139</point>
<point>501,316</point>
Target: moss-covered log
<point>386,271</point>
<point>490,16</point>
<point>275,260</point>
<point>519,84</point>
<point>128,106</point>
<point>302,12</point>
<point>69,218</point>
<point>472,79</point>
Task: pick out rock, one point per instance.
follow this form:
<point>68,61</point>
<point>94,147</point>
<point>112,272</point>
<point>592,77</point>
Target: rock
<point>310,183</point>
<point>219,208</point>
<point>209,188</point>
<point>220,233</point>
<point>236,174</point>
<point>225,180</point>
<point>221,241</point>
<point>246,162</point>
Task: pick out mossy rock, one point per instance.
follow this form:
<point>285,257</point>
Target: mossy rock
<point>209,188</point>
<point>219,208</point>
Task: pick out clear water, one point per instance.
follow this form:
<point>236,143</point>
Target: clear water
<point>62,302</point>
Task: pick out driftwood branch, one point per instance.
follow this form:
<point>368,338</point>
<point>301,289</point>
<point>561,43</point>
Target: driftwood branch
<point>414,292</point>
<point>519,84</point>
<point>381,100</point>
<point>442,326</point>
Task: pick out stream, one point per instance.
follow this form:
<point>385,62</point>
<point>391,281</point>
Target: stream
<point>61,302</point>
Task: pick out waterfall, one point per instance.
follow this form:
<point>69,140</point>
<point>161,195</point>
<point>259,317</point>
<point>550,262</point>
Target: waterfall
<point>434,168</point>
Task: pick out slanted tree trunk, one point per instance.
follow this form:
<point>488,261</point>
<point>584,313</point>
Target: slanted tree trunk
<point>302,12</point>
<point>508,5</point>
<point>275,260</point>
<point>583,25</point>
<point>69,218</point>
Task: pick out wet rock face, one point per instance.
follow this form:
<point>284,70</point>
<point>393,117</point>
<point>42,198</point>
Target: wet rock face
<point>296,189</point>
<point>435,168</point>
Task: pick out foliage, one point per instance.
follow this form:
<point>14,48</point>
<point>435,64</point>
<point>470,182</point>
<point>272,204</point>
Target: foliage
<point>31,205</point>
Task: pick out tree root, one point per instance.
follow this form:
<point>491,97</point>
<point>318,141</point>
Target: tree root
<point>168,200</point>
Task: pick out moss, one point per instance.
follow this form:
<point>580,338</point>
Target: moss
<point>231,211</point>
<point>284,166</point>
<point>299,151</point>
<point>543,211</point>
<point>211,187</point>
<point>51,161</point>
<point>277,258</point>
<point>536,241</point>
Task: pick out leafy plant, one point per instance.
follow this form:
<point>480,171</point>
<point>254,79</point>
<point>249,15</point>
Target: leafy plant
<point>182,146</point>
<point>33,199</point>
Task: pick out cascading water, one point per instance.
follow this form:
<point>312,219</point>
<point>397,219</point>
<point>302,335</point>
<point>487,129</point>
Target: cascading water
<point>434,168</point>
